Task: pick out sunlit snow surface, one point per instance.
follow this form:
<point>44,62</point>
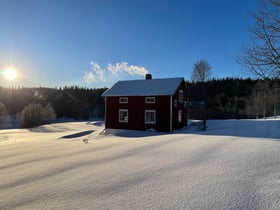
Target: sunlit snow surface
<point>234,164</point>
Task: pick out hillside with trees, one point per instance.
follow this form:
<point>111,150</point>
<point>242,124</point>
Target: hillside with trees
<point>67,102</point>
<point>233,98</point>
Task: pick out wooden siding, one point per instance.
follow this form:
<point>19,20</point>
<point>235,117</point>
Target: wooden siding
<point>136,107</point>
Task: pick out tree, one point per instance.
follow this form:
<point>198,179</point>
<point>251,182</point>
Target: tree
<point>262,57</point>
<point>48,113</point>
<point>201,71</point>
<point>35,114</point>
<point>263,100</point>
<point>4,117</point>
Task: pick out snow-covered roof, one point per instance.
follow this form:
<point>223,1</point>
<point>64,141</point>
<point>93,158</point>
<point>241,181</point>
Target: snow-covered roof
<point>152,87</point>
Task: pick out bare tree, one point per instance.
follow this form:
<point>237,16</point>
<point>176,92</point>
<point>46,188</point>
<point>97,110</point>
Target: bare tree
<point>201,71</point>
<point>262,57</point>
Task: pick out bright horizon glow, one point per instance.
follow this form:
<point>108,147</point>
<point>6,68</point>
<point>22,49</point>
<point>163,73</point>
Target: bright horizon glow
<point>10,73</point>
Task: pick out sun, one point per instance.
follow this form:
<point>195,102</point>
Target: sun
<point>10,73</point>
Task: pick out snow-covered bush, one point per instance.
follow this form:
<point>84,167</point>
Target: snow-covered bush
<point>35,114</point>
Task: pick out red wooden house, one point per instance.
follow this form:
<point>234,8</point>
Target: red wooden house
<point>159,104</point>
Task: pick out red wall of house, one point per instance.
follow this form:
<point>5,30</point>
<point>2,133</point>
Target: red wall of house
<point>136,113</point>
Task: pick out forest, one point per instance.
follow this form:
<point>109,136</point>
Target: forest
<point>236,98</point>
<point>68,102</point>
<point>228,98</point>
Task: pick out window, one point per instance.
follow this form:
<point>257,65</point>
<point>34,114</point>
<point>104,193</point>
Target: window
<point>123,100</point>
<point>181,96</point>
<point>185,104</point>
<point>150,100</point>
<point>150,117</point>
<point>123,115</point>
<point>180,116</point>
<point>175,103</point>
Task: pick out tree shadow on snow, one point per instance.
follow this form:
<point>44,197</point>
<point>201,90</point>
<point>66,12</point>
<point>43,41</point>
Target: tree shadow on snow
<point>240,128</point>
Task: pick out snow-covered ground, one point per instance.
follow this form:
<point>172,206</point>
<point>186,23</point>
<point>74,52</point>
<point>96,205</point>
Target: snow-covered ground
<point>234,164</point>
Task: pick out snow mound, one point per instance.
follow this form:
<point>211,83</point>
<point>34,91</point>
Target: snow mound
<point>267,128</point>
<point>96,123</point>
<point>245,128</point>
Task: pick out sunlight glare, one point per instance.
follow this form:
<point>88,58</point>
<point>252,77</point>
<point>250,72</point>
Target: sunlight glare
<point>10,73</point>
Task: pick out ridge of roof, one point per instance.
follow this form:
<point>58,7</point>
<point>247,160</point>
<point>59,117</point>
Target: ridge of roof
<point>158,86</point>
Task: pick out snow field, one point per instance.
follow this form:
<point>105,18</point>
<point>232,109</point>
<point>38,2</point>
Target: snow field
<point>222,168</point>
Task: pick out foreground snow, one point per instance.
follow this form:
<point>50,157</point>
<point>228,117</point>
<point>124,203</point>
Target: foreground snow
<point>233,165</point>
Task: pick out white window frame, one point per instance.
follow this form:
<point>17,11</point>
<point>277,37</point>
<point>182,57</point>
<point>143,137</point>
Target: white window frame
<point>123,100</point>
<point>175,103</point>
<point>120,116</point>
<point>181,96</point>
<point>180,116</point>
<point>146,120</point>
<point>150,100</point>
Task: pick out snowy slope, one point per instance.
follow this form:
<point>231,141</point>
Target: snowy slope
<point>233,165</point>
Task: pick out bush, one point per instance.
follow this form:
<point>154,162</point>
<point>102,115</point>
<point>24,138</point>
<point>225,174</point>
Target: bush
<point>5,120</point>
<point>35,114</point>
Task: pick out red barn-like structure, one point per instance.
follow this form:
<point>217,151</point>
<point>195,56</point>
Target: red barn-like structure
<point>159,104</point>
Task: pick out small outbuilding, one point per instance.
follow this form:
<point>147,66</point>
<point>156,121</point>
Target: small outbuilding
<point>159,104</point>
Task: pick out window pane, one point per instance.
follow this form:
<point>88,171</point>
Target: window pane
<point>181,96</point>
<point>150,117</point>
<point>123,100</point>
<point>180,116</point>
<point>123,116</point>
<point>150,100</point>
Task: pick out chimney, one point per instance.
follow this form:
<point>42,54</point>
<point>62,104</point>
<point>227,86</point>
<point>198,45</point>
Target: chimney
<point>148,76</point>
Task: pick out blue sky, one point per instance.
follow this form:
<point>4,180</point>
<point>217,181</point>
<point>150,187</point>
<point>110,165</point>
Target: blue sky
<point>94,43</point>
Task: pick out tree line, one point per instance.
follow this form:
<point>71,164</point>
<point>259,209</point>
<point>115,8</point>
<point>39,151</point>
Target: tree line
<point>236,98</point>
<point>68,102</point>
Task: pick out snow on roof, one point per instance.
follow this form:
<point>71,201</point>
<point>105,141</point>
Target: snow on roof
<point>167,86</point>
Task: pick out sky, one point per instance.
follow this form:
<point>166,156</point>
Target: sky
<point>95,43</point>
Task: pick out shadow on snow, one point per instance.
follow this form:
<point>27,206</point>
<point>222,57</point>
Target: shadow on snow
<point>77,135</point>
